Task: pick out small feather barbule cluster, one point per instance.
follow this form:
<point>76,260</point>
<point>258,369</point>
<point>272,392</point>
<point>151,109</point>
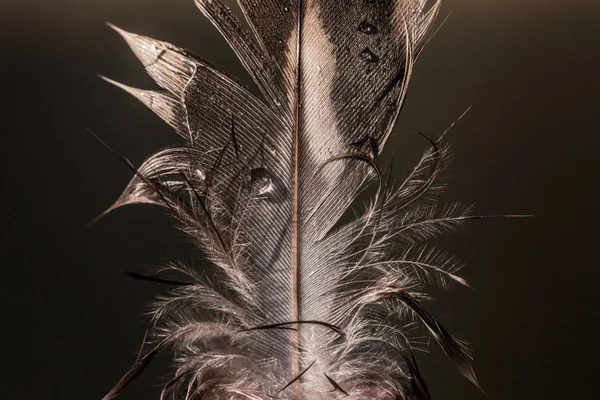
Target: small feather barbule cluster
<point>296,304</point>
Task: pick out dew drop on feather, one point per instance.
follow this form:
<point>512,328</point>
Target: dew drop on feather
<point>260,181</point>
<point>367,28</point>
<point>271,147</point>
<point>368,56</point>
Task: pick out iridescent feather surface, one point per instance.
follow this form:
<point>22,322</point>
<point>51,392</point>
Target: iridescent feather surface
<point>296,305</point>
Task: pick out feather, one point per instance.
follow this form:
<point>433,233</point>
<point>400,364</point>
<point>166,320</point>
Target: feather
<point>296,304</point>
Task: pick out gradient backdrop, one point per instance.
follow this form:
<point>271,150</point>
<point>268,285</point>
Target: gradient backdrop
<point>72,322</point>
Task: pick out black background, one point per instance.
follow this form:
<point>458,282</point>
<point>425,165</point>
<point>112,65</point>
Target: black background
<point>72,322</point>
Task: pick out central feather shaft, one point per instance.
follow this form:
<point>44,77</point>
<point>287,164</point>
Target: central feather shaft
<point>296,205</point>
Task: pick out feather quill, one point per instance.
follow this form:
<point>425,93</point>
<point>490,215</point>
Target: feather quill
<point>298,305</point>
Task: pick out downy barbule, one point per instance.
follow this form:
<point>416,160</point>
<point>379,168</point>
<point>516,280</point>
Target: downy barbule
<point>298,302</point>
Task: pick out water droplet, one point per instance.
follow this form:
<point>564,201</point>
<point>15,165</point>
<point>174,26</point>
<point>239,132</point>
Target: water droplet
<point>277,103</point>
<point>369,146</point>
<point>286,9</point>
<point>319,69</point>
<point>368,56</point>
<point>260,181</point>
<point>271,147</point>
<point>367,28</point>
<point>200,174</point>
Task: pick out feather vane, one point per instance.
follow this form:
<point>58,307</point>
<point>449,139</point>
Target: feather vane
<point>299,305</point>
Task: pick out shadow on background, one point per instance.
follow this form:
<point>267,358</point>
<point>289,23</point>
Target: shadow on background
<point>529,145</point>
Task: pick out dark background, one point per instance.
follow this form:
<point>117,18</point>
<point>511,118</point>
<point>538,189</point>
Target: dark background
<point>72,322</point>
